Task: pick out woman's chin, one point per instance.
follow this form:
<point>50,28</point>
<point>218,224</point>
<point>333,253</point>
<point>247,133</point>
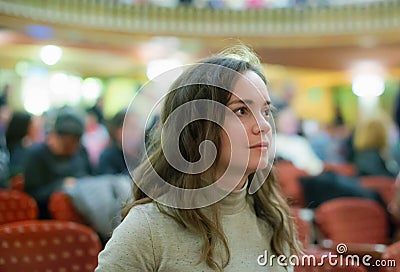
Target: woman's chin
<point>261,165</point>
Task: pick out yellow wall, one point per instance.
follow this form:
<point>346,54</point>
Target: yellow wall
<point>318,92</point>
<point>118,95</point>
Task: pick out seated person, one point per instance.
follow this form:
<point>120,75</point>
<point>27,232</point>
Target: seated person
<point>20,135</point>
<point>59,157</point>
<point>95,138</point>
<point>293,147</point>
<point>370,144</point>
<point>112,159</point>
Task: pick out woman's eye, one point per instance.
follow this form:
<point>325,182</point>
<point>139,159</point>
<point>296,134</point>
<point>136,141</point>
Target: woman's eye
<point>240,111</point>
<point>267,112</point>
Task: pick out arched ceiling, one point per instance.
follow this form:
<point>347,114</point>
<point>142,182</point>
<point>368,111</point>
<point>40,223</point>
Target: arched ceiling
<point>90,51</point>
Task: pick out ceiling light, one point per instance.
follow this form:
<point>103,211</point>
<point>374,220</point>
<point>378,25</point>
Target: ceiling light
<point>368,85</point>
<point>50,54</point>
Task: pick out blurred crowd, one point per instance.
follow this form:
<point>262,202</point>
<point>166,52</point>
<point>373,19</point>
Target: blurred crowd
<point>65,145</point>
<point>50,152</point>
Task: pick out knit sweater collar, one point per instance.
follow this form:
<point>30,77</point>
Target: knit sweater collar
<point>235,202</point>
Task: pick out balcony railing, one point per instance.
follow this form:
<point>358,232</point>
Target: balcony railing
<point>381,16</point>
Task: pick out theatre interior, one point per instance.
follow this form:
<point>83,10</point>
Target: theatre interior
<point>333,75</point>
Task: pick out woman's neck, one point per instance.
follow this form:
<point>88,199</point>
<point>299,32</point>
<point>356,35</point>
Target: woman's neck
<point>241,183</point>
<point>229,179</point>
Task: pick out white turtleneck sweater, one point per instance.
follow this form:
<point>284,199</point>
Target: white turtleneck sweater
<point>148,240</point>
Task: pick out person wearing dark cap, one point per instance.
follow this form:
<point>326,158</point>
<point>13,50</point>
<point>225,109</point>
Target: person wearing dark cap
<point>51,164</point>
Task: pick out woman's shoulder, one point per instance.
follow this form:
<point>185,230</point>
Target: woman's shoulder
<point>148,222</point>
<point>132,245</point>
<point>142,211</point>
<point>150,214</point>
<point>136,226</point>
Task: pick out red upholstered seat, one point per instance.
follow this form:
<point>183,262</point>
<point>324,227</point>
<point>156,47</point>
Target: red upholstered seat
<point>17,182</point>
<point>62,208</point>
<point>48,246</point>
<point>392,253</point>
<point>16,206</point>
<point>352,220</point>
<point>384,185</point>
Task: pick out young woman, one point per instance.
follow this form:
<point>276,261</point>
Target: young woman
<point>223,100</point>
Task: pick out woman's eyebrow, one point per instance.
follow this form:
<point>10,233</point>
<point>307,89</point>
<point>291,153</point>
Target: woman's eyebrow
<point>246,101</point>
<point>240,101</point>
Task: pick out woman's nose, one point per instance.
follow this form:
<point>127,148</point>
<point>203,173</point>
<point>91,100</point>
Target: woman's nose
<point>261,125</point>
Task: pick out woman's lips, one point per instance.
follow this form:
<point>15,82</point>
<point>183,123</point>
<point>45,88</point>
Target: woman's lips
<point>260,146</point>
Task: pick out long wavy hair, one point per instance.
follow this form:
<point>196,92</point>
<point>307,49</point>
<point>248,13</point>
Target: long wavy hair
<point>268,203</point>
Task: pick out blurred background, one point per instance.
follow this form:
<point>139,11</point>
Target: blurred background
<point>332,63</point>
<point>333,68</point>
<point>320,56</point>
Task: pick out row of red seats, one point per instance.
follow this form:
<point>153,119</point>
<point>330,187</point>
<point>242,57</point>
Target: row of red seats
<point>353,221</point>
<point>32,245</point>
<point>361,224</point>
<point>289,176</point>
<point>29,244</point>
<point>358,224</point>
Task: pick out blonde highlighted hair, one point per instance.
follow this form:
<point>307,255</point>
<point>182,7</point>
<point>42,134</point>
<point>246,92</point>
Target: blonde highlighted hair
<point>371,134</point>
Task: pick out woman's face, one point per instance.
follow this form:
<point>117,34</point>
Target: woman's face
<point>250,102</point>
